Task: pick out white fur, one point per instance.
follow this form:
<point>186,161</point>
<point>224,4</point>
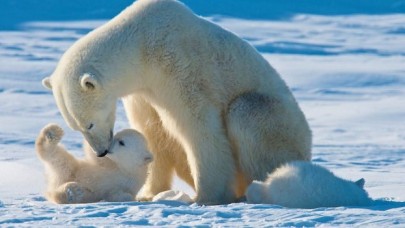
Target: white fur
<point>306,185</point>
<point>172,195</point>
<point>210,106</point>
<point>117,177</point>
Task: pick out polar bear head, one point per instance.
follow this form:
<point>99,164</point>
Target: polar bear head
<point>83,99</point>
<point>129,150</point>
<point>88,80</point>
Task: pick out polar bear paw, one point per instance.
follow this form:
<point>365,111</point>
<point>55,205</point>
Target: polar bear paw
<point>74,193</point>
<point>173,195</point>
<point>53,133</point>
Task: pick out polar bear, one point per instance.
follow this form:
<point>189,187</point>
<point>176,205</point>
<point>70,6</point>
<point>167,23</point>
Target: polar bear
<point>305,185</point>
<point>118,177</point>
<point>211,108</point>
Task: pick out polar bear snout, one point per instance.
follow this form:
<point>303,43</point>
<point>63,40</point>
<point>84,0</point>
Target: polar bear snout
<point>103,154</point>
<point>100,151</point>
<point>100,144</point>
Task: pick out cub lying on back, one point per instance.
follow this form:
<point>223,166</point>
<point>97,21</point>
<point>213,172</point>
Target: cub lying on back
<point>118,177</point>
<point>306,185</point>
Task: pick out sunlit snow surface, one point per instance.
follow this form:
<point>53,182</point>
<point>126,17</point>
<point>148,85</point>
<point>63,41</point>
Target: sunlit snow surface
<point>347,73</point>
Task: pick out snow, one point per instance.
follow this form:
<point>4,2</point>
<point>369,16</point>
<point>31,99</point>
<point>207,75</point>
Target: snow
<point>345,67</point>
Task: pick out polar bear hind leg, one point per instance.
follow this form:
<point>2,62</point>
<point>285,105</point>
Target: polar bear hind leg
<point>266,133</point>
<point>70,193</point>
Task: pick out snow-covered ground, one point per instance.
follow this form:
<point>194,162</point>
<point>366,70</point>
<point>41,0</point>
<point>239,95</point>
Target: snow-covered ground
<point>347,72</point>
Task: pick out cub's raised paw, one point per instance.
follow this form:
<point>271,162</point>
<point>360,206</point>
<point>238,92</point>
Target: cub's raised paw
<point>53,133</point>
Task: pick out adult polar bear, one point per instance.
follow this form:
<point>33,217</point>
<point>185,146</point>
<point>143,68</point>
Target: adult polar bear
<point>210,106</point>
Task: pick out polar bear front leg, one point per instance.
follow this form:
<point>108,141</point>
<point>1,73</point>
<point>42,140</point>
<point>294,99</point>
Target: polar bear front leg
<point>160,175</point>
<point>143,117</point>
<point>168,156</point>
<point>211,160</point>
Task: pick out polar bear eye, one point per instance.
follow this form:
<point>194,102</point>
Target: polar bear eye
<point>121,143</point>
<point>90,126</point>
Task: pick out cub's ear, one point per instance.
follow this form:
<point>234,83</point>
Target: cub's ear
<point>88,82</point>
<point>360,183</point>
<point>46,82</point>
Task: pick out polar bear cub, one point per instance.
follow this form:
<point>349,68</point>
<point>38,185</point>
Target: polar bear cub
<point>302,184</point>
<point>115,178</point>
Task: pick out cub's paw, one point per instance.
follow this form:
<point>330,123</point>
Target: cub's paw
<point>74,193</point>
<point>53,133</point>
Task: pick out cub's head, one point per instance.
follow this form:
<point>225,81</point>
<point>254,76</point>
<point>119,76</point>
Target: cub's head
<point>129,150</point>
<point>84,97</point>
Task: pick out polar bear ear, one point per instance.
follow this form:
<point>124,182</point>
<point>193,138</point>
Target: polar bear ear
<point>360,183</point>
<point>46,82</point>
<point>88,82</point>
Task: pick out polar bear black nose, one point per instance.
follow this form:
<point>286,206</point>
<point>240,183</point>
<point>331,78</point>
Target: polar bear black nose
<point>103,154</point>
